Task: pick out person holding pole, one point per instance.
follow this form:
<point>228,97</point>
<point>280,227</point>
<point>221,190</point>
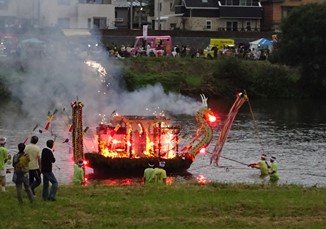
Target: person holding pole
<point>273,171</point>
<point>262,165</point>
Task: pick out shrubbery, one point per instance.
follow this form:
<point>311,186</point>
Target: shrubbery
<point>217,78</point>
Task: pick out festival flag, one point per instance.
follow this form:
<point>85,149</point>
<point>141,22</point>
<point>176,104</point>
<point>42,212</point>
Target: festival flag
<point>35,127</point>
<point>70,128</point>
<point>50,118</point>
<point>85,130</point>
<point>241,98</point>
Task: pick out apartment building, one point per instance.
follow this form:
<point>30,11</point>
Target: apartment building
<point>208,15</point>
<point>276,10</point>
<point>74,14</point>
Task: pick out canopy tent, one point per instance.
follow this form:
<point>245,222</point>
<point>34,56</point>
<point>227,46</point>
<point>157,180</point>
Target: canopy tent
<point>262,42</point>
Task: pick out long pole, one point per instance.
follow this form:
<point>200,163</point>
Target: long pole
<point>235,160</point>
<point>140,14</point>
<point>131,13</point>
<point>158,15</point>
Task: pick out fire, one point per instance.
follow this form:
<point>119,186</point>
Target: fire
<point>202,150</point>
<point>201,179</point>
<point>100,69</point>
<point>138,137</point>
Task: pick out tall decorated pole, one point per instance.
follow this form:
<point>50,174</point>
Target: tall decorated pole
<point>77,130</point>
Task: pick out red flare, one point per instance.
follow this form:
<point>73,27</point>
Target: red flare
<point>47,126</point>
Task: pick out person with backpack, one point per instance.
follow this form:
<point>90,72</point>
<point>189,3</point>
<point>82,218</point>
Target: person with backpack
<point>20,163</point>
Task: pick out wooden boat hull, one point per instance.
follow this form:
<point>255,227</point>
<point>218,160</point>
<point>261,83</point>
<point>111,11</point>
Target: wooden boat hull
<point>133,167</point>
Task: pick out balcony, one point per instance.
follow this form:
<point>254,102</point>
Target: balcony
<point>244,12</point>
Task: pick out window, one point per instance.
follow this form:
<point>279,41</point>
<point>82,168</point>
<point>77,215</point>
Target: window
<point>64,23</point>
<point>208,24</point>
<point>245,3</point>
<point>89,23</point>
<point>248,26</point>
<point>64,2</point>
<point>4,4</point>
<point>228,25</point>
<point>100,22</point>
<point>286,11</point>
<point>229,2</point>
<point>231,26</point>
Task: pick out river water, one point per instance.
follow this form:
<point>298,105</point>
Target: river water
<point>291,130</point>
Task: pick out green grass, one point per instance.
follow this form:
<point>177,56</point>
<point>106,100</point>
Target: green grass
<point>216,78</point>
<point>174,206</point>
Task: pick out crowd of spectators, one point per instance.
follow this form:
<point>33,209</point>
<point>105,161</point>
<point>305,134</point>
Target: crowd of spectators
<point>241,50</point>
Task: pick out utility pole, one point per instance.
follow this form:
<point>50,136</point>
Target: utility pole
<point>131,13</point>
<point>158,15</point>
<point>140,14</point>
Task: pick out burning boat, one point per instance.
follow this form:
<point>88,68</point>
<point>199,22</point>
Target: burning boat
<point>129,142</point>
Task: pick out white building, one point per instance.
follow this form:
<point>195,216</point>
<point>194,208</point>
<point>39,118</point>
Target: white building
<point>74,14</point>
<point>164,15</point>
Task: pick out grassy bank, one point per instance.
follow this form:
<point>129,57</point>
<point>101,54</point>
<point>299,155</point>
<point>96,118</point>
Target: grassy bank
<point>219,78</point>
<point>215,78</point>
<point>174,206</point>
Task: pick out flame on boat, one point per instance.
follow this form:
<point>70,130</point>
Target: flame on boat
<point>138,137</point>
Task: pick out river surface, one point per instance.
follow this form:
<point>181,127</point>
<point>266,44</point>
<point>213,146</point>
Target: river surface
<point>291,130</point>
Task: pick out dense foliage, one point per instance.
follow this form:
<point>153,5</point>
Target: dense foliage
<point>303,43</point>
<point>216,78</point>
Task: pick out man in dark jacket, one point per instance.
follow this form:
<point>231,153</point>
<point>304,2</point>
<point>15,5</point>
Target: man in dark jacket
<point>47,159</point>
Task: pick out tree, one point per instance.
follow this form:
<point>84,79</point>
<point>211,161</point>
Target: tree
<point>302,43</point>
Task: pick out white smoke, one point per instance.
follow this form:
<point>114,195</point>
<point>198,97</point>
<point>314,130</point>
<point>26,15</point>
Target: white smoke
<point>60,76</point>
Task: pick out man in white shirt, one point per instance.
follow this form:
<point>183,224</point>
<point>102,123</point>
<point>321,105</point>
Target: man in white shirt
<point>34,153</point>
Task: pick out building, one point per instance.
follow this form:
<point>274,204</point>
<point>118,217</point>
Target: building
<point>208,15</point>
<point>130,14</point>
<point>276,10</point>
<point>74,14</point>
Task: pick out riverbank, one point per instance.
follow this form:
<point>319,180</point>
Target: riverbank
<point>187,205</point>
<point>218,78</point>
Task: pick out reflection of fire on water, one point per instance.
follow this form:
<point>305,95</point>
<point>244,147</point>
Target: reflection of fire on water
<point>138,137</point>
